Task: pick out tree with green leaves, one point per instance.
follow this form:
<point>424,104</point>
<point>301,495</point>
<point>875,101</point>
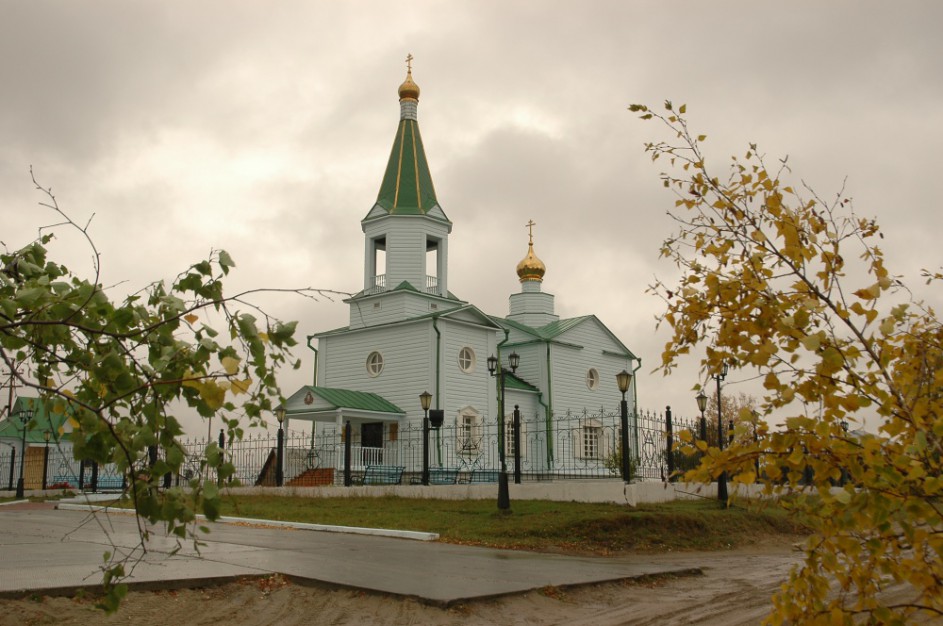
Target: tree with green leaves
<point>776,280</point>
<point>124,370</point>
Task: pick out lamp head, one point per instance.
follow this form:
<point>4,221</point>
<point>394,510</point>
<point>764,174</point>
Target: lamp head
<point>701,400</point>
<point>624,379</point>
<point>514,360</point>
<point>280,415</point>
<point>425,399</point>
<point>492,364</point>
<point>46,435</point>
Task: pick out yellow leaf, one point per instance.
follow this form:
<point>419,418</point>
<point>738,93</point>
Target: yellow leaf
<point>230,364</point>
<point>241,386</point>
<point>812,342</point>
<point>191,318</point>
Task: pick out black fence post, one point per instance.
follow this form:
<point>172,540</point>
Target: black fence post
<point>347,481</point>
<point>94,484</point>
<point>517,444</point>
<point>670,446</point>
<point>45,465</point>
<point>81,475</point>
<point>222,454</point>
<point>12,465</point>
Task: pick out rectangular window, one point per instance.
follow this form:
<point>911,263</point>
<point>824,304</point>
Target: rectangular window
<point>468,436</point>
<point>592,436</point>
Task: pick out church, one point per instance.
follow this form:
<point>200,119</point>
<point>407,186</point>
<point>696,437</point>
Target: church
<point>409,334</point>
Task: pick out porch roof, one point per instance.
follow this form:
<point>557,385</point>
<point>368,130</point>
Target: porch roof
<point>312,402</point>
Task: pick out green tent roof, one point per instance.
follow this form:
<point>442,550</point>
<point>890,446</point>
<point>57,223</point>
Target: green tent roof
<point>407,184</point>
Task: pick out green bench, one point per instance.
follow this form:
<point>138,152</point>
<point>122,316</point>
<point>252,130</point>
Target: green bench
<point>484,476</point>
<point>381,475</point>
<point>438,476</point>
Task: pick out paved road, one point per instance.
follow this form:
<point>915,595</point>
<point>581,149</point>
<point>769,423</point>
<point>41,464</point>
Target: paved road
<point>45,549</point>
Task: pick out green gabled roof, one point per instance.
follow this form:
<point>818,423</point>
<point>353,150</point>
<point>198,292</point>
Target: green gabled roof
<point>358,400</point>
<point>511,381</point>
<point>407,187</point>
<point>43,419</point>
<point>553,330</point>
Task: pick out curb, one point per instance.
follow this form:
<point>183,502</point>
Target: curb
<point>248,521</point>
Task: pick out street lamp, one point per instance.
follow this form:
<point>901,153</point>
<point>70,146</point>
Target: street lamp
<point>623,379</point>
<point>495,369</point>
<point>425,400</point>
<point>25,416</point>
<point>280,449</point>
<point>702,406</point>
<point>722,479</point>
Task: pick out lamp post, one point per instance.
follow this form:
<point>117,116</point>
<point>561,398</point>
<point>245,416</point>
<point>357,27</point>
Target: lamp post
<point>25,417</point>
<point>623,379</point>
<point>495,369</point>
<point>844,472</point>
<point>280,447</point>
<point>722,479</point>
<point>425,400</point>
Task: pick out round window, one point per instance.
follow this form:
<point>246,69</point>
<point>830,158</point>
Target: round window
<point>592,378</point>
<point>466,360</point>
<point>374,363</point>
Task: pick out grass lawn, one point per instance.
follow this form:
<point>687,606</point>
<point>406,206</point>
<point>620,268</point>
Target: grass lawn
<point>539,525</point>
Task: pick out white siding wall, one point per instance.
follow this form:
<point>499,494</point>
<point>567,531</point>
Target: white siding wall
<point>460,389</point>
<point>570,366</point>
<point>408,362</point>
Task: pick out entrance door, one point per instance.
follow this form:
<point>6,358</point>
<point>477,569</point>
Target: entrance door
<point>371,439</point>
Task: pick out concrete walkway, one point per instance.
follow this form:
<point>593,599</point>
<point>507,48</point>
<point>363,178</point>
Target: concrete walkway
<point>48,550</point>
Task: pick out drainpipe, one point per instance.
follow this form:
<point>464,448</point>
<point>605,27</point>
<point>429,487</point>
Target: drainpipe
<point>549,418</point>
<point>438,374</point>
<point>635,401</point>
<point>314,382</point>
<point>507,334</point>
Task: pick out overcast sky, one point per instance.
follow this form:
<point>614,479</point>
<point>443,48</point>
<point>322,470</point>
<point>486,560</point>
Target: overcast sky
<point>263,128</point>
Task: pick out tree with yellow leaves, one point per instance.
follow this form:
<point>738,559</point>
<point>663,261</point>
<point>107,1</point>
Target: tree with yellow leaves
<point>774,279</point>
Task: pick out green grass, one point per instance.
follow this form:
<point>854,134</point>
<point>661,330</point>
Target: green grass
<point>539,525</point>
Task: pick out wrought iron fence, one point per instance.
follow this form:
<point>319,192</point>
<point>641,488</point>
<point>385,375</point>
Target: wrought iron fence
<point>583,444</point>
<point>572,445</point>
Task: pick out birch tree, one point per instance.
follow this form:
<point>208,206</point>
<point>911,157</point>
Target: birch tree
<point>775,280</point>
<point>126,369</point>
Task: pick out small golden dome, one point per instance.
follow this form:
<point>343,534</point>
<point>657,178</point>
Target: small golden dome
<point>409,89</point>
<point>530,267</point>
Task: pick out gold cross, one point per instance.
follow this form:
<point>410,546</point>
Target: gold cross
<point>409,63</point>
<point>530,229</point>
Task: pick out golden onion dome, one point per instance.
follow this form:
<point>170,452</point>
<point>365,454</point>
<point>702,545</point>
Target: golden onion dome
<point>409,89</point>
<point>530,267</point>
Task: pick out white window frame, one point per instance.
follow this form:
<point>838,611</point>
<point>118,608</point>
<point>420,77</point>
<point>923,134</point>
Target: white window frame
<point>509,435</point>
<point>591,441</point>
<point>592,379</point>
<point>375,364</point>
<point>467,365</point>
<point>468,432</point>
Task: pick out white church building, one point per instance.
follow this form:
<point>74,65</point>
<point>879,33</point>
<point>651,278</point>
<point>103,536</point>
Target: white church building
<point>408,334</point>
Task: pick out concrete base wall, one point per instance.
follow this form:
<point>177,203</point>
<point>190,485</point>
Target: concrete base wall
<point>613,491</point>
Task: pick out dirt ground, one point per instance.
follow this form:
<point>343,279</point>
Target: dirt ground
<point>735,588</point>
